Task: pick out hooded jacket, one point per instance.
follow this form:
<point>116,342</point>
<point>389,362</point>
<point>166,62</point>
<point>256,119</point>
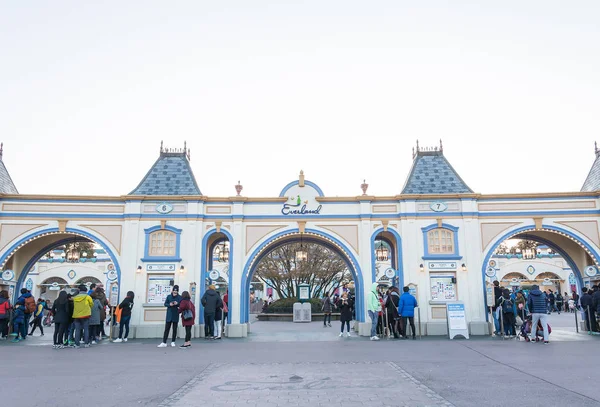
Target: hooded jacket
<point>408,303</point>
<point>82,306</point>
<point>537,302</point>
<point>211,300</point>
<point>374,304</point>
<point>62,312</point>
<point>24,298</point>
<point>95,316</point>
<point>101,296</point>
<point>19,315</point>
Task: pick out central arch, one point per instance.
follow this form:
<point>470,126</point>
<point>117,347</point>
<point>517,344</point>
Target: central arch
<point>310,236</point>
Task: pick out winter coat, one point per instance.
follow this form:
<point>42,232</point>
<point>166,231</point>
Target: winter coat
<point>596,300</point>
<point>39,311</point>
<point>183,305</point>
<point>82,306</point>
<point>519,301</point>
<point>126,306</point>
<point>391,304</point>
<point>408,303</point>
<point>373,304</point>
<point>537,302</point>
<point>101,296</point>
<point>19,315</point>
<point>4,308</point>
<point>326,305</point>
<point>62,312</point>
<point>345,307</point>
<point>96,308</point>
<point>173,310</point>
<point>211,300</point>
<point>497,296</point>
<point>22,299</point>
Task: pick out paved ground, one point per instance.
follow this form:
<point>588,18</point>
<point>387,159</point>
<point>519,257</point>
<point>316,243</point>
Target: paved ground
<point>338,371</point>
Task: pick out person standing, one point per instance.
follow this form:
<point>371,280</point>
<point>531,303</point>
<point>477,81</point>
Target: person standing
<point>4,313</point>
<point>62,311</point>
<point>210,301</point>
<point>219,319</point>
<point>18,322</point>
<point>559,302</point>
<point>551,302</point>
<point>125,310</point>
<point>538,307</point>
<point>326,307</point>
<point>497,296</point>
<point>37,317</point>
<point>345,305</point>
<point>101,296</point>
<point>596,304</point>
<point>188,316</point>
<point>172,319</point>
<point>407,306</point>
<point>95,319</point>
<point>566,299</point>
<point>28,309</point>
<point>392,303</point>
<point>82,310</point>
<point>576,298</point>
<point>508,313</point>
<point>374,307</point>
<point>520,302</point>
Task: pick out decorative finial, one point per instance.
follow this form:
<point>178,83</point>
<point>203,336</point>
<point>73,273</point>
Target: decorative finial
<point>238,188</point>
<point>441,146</point>
<point>301,179</point>
<point>1,150</point>
<point>364,186</point>
<point>161,146</point>
<point>595,150</point>
<point>184,145</point>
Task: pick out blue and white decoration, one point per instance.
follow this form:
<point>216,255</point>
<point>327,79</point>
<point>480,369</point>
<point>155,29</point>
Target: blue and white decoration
<point>8,275</point>
<point>490,272</point>
<point>438,206</point>
<point>29,284</point>
<point>591,271</point>
<point>71,274</point>
<point>531,269</point>
<point>164,208</point>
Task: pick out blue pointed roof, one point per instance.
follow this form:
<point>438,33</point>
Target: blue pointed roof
<point>431,173</point>
<point>171,174</point>
<point>592,182</point>
<point>7,185</point>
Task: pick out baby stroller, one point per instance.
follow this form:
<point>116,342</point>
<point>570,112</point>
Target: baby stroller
<point>526,330</point>
<point>48,320</point>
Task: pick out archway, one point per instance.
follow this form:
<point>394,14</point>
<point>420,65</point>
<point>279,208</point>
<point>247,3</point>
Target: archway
<point>392,239</point>
<point>217,245</point>
<point>576,251</point>
<point>50,287</point>
<point>308,236</point>
<point>24,253</point>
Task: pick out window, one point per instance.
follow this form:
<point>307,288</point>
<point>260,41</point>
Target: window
<point>441,241</point>
<point>162,243</point>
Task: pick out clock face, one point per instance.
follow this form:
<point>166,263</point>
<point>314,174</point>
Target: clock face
<point>164,208</point>
<point>438,206</point>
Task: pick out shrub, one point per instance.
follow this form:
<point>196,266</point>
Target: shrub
<point>286,306</point>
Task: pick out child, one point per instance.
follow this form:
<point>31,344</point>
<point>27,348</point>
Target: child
<point>571,305</point>
<point>18,321</point>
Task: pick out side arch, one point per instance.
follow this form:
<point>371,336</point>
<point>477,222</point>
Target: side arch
<point>206,264</point>
<point>309,235</point>
<point>397,261</point>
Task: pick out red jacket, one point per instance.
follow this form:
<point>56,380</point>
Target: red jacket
<point>184,305</point>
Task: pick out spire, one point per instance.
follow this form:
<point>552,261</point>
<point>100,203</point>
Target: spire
<point>7,185</point>
<point>592,182</point>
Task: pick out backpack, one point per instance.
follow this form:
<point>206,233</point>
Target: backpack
<point>30,305</point>
<point>507,306</point>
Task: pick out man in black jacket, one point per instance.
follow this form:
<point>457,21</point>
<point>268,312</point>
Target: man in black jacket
<point>497,296</point>
<point>211,300</point>
<point>587,303</point>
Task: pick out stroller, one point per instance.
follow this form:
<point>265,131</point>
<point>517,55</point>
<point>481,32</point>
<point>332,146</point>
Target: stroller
<point>526,330</point>
<point>48,320</point>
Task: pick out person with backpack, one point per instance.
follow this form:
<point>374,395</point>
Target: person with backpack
<point>19,323</point>
<point>124,310</point>
<point>82,311</point>
<point>4,313</point>
<point>37,317</point>
<point>29,306</point>
<point>392,303</point>
<point>62,310</point>
<point>188,316</point>
<point>508,313</point>
<point>407,306</point>
<point>172,319</point>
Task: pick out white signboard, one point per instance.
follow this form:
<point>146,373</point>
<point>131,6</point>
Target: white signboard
<point>214,275</point>
<point>442,265</point>
<point>457,320</point>
<point>304,293</point>
<point>160,267</point>
<point>390,273</point>
<point>8,275</point>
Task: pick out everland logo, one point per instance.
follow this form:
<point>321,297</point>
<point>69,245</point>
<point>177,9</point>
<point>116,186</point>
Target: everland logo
<point>295,206</point>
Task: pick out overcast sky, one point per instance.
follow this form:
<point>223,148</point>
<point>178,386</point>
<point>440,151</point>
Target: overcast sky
<point>262,89</point>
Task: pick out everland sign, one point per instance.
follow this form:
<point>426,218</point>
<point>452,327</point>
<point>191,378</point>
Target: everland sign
<point>296,206</point>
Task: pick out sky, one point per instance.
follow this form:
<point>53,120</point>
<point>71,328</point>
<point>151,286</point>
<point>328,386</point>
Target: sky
<point>262,89</point>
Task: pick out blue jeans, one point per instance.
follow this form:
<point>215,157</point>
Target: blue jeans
<point>25,326</point>
<point>373,315</point>
<point>82,323</point>
<point>124,324</point>
<point>496,322</point>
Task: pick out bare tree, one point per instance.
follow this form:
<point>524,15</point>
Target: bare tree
<point>323,270</point>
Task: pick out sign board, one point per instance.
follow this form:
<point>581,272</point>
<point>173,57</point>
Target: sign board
<point>160,267</point>
<point>442,265</point>
<point>438,206</point>
<point>8,275</point>
<point>390,273</point>
<point>303,292</point>
<point>164,208</point>
<point>457,320</point>
<point>114,295</point>
<point>213,275</point>
<point>489,291</point>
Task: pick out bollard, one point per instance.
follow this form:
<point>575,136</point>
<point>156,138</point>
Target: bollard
<point>501,324</point>
<point>419,321</point>
<point>576,323</point>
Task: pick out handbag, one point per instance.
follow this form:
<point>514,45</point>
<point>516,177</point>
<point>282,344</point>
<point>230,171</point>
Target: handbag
<point>187,314</point>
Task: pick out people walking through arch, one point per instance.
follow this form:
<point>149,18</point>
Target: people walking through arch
<point>29,306</point>
<point>125,316</point>
<point>506,305</point>
<point>19,323</point>
<point>172,318</point>
<point>219,319</point>
<point>38,315</point>
<point>188,316</point>
<point>407,306</point>
<point>100,295</point>
<point>95,319</point>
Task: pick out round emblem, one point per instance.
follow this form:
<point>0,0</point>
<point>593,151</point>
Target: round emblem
<point>112,275</point>
<point>214,274</point>
<point>110,267</point>
<point>490,272</point>
<point>531,269</point>
<point>164,208</point>
<point>591,271</point>
<point>71,274</point>
<point>8,275</point>
<point>390,273</point>
<point>492,263</point>
<point>438,206</point>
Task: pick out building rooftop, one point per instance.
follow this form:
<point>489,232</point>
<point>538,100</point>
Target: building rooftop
<point>7,185</point>
<point>171,174</point>
<point>431,173</point>
<point>592,182</point>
